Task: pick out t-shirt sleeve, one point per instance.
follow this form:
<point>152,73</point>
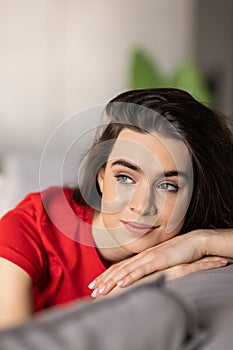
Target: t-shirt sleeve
<point>20,239</point>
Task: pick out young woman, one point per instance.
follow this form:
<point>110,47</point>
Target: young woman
<point>156,194</point>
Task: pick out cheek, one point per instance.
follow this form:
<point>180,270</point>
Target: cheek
<point>165,204</point>
<point>173,213</point>
<point>115,197</point>
<point>109,192</point>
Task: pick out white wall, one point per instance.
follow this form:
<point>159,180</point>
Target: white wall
<point>59,56</point>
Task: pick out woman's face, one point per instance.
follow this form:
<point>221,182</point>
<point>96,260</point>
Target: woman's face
<point>146,189</point>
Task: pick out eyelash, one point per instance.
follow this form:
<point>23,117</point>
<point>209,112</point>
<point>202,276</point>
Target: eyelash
<point>175,188</point>
<point>120,177</point>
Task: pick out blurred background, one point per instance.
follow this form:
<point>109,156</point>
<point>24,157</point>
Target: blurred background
<point>61,56</point>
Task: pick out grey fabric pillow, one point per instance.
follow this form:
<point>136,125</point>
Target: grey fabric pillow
<point>144,318</point>
<point>210,295</point>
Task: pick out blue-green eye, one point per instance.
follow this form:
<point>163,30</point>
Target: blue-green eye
<point>165,186</point>
<point>124,179</point>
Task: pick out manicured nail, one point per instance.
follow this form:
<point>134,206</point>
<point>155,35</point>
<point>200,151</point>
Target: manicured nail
<point>92,285</point>
<point>224,261</point>
<point>95,292</point>
<point>121,283</point>
<point>102,289</point>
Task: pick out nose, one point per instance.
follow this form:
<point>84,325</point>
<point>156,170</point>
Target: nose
<point>143,202</point>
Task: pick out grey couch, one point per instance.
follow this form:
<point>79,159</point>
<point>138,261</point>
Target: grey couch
<point>193,312</point>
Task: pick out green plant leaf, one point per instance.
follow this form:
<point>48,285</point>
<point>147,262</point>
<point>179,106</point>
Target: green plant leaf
<point>187,77</point>
<point>144,73</point>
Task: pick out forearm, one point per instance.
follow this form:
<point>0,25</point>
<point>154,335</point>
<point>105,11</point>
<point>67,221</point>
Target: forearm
<point>217,242</point>
<point>186,250</point>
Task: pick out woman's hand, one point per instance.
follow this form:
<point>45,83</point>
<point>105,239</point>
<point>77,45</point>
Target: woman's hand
<point>184,249</point>
<point>206,263</point>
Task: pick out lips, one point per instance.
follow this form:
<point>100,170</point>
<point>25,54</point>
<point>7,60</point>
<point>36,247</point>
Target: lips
<point>138,228</point>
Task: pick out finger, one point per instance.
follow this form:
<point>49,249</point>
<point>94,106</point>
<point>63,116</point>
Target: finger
<point>106,277</point>
<point>212,258</point>
<point>129,274</point>
<point>207,263</point>
<point>110,271</point>
<point>123,274</point>
<point>152,260</point>
<point>136,269</point>
<point>160,257</point>
<point>130,270</point>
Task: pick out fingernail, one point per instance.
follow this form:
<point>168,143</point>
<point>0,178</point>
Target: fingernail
<point>92,284</point>
<point>224,261</point>
<point>102,289</point>
<point>120,283</point>
<point>95,292</point>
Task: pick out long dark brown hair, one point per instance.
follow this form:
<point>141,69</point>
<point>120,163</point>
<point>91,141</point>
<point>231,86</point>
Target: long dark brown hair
<point>206,134</point>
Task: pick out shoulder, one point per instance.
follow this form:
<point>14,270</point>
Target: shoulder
<point>52,210</point>
<point>32,205</point>
<point>40,205</point>
<point>41,217</point>
<point>59,204</point>
<point>35,211</point>
<point>64,213</point>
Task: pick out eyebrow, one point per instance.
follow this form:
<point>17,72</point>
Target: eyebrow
<point>175,173</point>
<point>129,165</point>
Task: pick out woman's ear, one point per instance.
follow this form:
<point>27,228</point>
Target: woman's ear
<point>100,179</point>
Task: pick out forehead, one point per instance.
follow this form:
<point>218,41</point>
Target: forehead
<point>151,151</point>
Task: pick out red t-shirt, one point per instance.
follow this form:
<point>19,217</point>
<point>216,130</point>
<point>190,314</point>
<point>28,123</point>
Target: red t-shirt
<point>49,236</point>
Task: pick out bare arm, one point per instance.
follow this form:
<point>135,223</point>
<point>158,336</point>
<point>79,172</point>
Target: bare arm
<point>178,251</point>
<point>218,242</point>
<point>16,296</point>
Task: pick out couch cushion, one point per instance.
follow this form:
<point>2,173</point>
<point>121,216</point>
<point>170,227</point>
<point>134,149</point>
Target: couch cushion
<point>145,317</point>
<point>210,295</point>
